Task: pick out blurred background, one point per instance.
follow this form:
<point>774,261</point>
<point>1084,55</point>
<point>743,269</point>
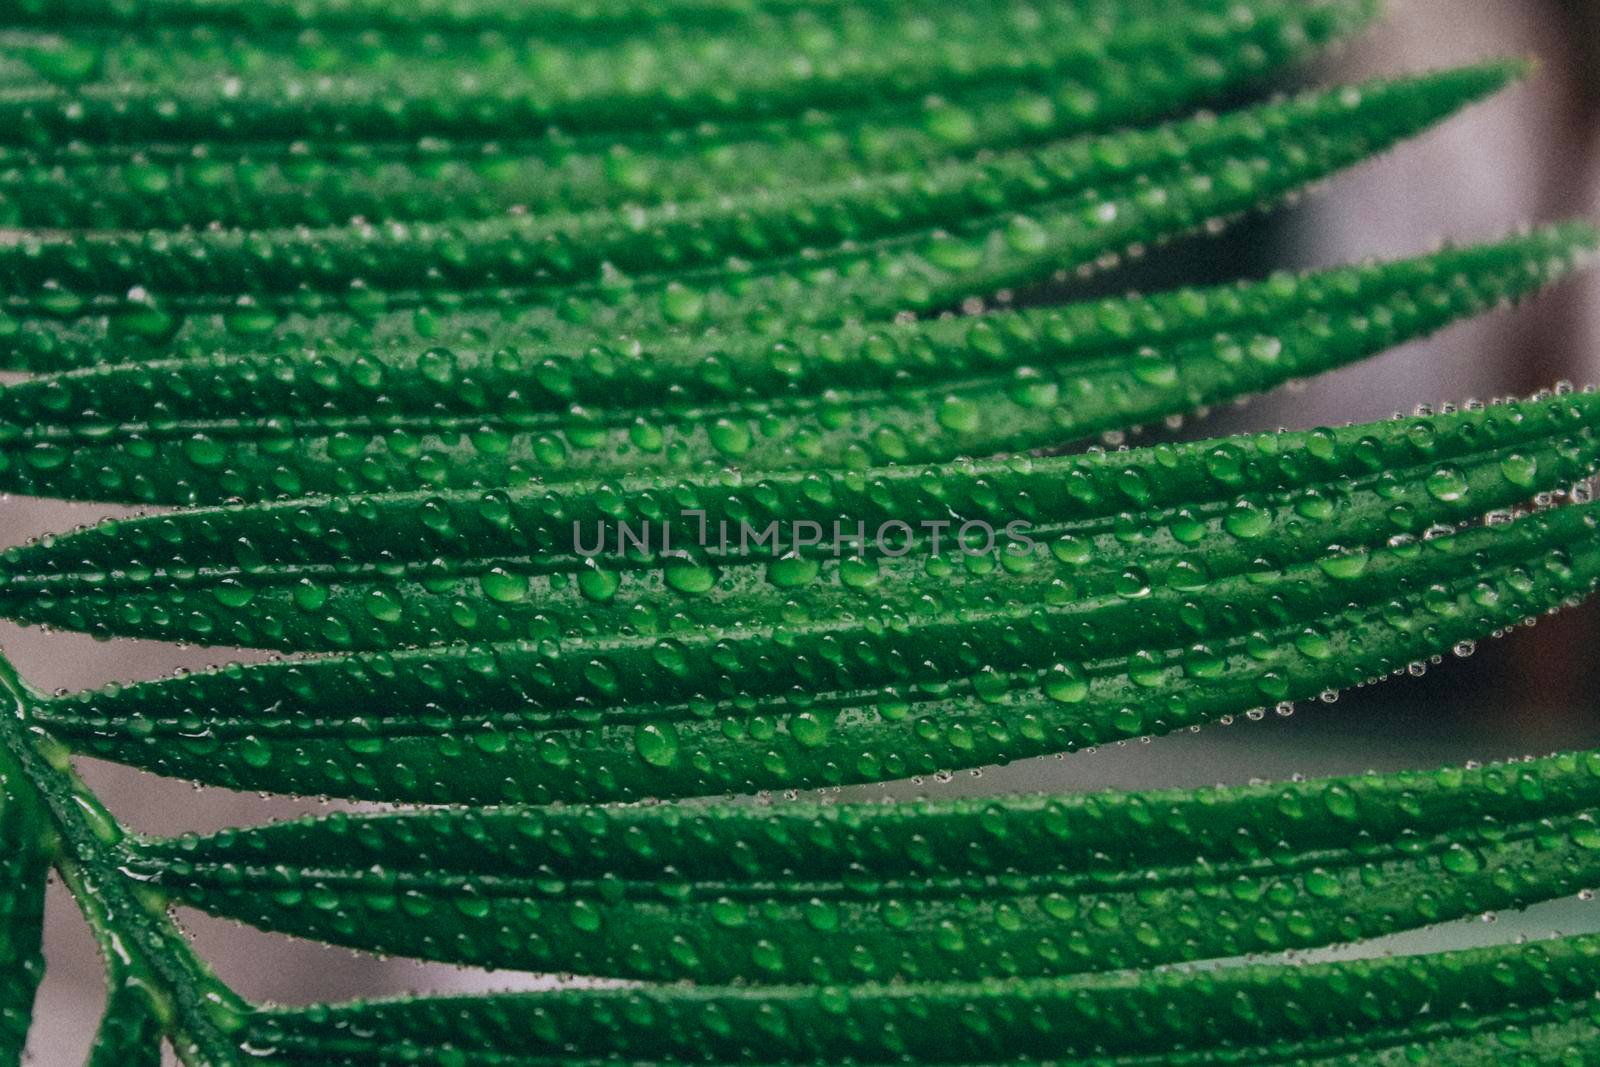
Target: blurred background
<point>1531,154</point>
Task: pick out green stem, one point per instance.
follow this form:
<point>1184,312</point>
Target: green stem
<point>142,946</point>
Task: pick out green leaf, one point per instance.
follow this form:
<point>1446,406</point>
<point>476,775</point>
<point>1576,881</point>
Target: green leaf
<point>585,562</point>
<point>441,16</point>
<point>177,90</point>
<point>932,891</point>
<point>172,89</point>
<point>1513,1004</point>
<point>221,429</point>
<point>130,1032</point>
<point>151,969</point>
<point>728,260</point>
<point>526,269</point>
<point>24,864</point>
<point>1256,570</point>
<point>1131,63</point>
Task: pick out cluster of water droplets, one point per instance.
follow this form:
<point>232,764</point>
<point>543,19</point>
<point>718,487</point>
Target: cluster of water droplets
<point>208,291</point>
<point>930,891</point>
<point>589,298</point>
<point>1156,589</point>
<point>23,850</point>
<point>1095,66</point>
<point>1534,997</point>
<point>357,420</point>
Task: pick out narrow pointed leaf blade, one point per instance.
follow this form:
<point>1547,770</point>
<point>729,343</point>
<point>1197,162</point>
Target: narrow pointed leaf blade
<point>886,688</point>
<point>763,67</point>
<point>919,240</point>
<point>453,16</point>
<point>211,430</point>
<point>701,262</point>
<point>129,1035</point>
<point>1129,69</point>
<point>1475,1007</point>
<point>574,249</point>
<point>585,562</point>
<point>24,865</point>
<point>926,891</point>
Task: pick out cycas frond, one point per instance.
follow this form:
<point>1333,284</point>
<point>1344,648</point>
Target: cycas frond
<point>1480,1007</point>
<point>931,891</point>
<point>253,428</point>
<point>515,288</point>
<point>1133,63</point>
<point>893,243</point>
<point>1160,589</point>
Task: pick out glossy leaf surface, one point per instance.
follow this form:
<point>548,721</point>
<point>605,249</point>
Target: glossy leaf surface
<point>915,241</point>
<point>561,249</point>
<point>552,17</point>
<point>24,863</point>
<point>1121,63</point>
<point>1515,1004</point>
<point>183,89</point>
<point>583,563</point>
<point>931,890</point>
<point>130,1034</point>
<point>227,428</point>
<point>1112,624</point>
<point>421,300</point>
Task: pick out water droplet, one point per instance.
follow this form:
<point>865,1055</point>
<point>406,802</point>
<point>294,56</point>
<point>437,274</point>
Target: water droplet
<point>657,743</point>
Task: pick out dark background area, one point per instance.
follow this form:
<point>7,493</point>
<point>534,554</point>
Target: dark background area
<point>1530,155</point>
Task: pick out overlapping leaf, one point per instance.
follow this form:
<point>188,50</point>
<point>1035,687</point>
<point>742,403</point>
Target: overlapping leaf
<point>250,428</point>
<point>443,16</point>
<point>1159,589</point>
<point>1101,64</point>
<point>182,88</point>
<point>24,863</point>
<point>130,1033</point>
<point>935,891</point>
<point>1513,1004</point>
<point>612,250</point>
<point>890,244</point>
<point>582,563</point>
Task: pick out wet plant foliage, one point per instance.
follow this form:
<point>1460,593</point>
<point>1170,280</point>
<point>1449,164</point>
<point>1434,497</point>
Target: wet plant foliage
<point>410,323</point>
